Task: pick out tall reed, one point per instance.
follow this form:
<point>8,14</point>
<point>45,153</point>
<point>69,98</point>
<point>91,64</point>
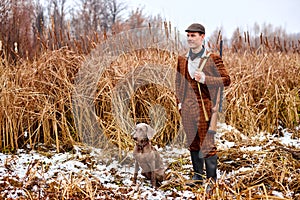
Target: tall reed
<point>37,97</point>
<point>264,92</point>
<point>36,101</point>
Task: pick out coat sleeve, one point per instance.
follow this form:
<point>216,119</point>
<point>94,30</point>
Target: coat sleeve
<point>218,76</point>
<point>180,80</point>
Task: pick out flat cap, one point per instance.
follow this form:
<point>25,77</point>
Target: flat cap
<point>195,27</point>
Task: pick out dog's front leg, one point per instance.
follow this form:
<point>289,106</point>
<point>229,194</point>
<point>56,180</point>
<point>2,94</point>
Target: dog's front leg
<point>153,179</point>
<point>153,176</point>
<point>136,170</point>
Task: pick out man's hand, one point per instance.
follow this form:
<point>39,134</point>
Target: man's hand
<point>179,108</point>
<point>215,108</point>
<point>199,76</point>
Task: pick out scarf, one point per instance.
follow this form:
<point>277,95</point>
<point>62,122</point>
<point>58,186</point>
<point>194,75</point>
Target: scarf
<point>195,55</point>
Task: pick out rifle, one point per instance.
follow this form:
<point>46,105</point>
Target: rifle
<point>218,106</point>
<point>202,102</point>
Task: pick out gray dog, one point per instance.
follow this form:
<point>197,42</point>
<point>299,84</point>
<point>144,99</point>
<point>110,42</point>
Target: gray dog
<point>146,156</point>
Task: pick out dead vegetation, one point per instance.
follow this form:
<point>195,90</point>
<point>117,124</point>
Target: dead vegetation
<point>65,97</point>
<point>264,93</point>
<point>246,172</point>
<point>36,101</point>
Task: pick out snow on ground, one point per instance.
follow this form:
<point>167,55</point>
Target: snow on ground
<point>39,169</point>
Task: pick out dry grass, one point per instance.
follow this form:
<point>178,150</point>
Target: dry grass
<point>64,97</point>
<point>264,92</point>
<point>124,82</point>
<point>36,101</point>
<point>245,174</point>
<point>138,87</point>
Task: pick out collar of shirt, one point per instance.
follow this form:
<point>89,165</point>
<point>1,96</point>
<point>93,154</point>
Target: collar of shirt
<point>194,64</point>
<point>204,54</point>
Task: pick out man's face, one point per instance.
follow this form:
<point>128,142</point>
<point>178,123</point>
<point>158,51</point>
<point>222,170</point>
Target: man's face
<point>195,39</point>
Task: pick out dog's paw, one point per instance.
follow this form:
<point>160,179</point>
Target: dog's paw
<point>133,180</point>
<point>154,184</point>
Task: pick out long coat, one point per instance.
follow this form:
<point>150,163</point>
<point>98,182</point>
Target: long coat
<point>187,91</point>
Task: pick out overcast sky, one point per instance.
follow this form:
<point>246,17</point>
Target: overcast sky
<point>228,14</point>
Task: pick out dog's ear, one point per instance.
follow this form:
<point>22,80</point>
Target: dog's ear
<point>150,132</point>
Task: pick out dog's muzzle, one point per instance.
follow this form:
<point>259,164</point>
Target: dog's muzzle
<point>142,143</point>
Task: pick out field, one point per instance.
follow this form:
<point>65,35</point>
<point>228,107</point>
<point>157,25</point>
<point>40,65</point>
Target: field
<point>65,99</point>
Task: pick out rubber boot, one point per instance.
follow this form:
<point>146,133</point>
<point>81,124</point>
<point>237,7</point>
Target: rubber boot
<point>198,162</point>
<point>211,167</point>
<point>211,171</point>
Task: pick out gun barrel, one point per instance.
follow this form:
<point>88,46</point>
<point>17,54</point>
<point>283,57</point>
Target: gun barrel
<point>221,48</point>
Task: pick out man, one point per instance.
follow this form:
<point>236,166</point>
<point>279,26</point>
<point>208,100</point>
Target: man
<point>196,91</point>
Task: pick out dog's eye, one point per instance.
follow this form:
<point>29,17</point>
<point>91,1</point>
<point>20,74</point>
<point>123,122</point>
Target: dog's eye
<point>135,139</point>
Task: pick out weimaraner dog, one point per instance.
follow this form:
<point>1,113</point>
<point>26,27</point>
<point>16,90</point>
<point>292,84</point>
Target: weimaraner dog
<point>146,156</point>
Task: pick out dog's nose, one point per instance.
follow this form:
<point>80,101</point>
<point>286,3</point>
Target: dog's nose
<point>145,140</point>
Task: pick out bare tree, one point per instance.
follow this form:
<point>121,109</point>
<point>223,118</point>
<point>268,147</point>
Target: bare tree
<point>57,11</point>
<point>96,16</point>
<point>136,18</point>
<point>5,17</point>
<point>16,31</point>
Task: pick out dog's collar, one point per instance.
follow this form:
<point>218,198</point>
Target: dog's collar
<point>141,147</point>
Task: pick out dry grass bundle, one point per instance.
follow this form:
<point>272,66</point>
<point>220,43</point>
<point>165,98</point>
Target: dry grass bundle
<point>128,79</point>
<point>145,93</point>
<point>264,92</point>
<point>35,101</point>
<point>60,99</point>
